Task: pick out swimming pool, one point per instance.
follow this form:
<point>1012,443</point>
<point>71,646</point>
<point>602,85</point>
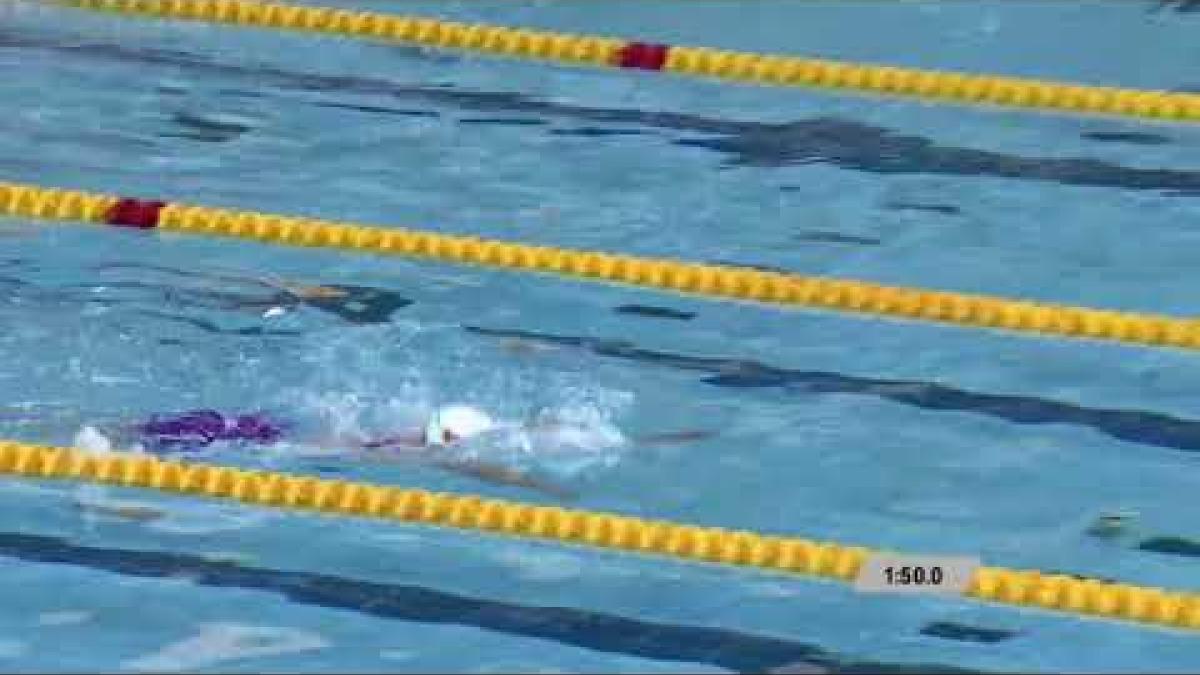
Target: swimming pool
<point>892,434</point>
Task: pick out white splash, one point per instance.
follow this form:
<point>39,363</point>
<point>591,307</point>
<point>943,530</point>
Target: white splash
<point>90,439</point>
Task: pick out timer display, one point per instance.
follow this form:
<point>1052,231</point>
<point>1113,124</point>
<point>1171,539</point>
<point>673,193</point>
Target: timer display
<point>914,575</point>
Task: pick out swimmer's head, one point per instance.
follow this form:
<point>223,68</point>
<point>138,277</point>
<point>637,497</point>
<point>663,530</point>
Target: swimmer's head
<point>453,423</point>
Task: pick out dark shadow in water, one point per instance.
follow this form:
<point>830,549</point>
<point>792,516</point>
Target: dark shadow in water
<point>597,132</point>
<point>1131,137</point>
<point>240,93</point>
<point>202,136</point>
<point>831,237</point>
<point>949,630</point>
<point>762,267</point>
<point>845,143</point>
<point>1181,6</point>
<point>856,146</point>
<point>1171,546</point>
<point>199,127</point>
<point>655,312</point>
<point>722,648</point>
<point>383,110</point>
<point>1135,426</point>
<point>504,121</point>
<point>209,124</point>
<point>940,209</point>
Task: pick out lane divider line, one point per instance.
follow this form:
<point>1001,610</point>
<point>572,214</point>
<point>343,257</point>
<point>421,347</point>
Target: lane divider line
<point>714,281</point>
<point>761,69</point>
<point>789,555</point>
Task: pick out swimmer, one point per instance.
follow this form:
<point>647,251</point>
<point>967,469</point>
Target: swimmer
<point>354,304</point>
<point>444,429</point>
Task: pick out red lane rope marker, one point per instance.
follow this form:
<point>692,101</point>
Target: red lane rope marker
<point>135,213</point>
<point>643,55</point>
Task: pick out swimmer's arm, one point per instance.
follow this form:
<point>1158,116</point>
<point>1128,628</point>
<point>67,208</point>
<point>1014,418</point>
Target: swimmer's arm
<point>472,468</point>
<point>394,446</point>
<point>412,439</point>
<point>210,273</point>
<point>503,475</point>
<point>294,289</point>
<point>270,281</point>
<point>282,293</point>
<point>660,438</point>
<point>264,280</point>
<point>219,299</point>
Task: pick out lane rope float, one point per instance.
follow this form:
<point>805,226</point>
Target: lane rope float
<point>781,71</point>
<point>715,281</point>
<point>1024,588</point>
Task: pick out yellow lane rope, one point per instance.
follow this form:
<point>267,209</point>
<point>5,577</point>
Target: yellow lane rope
<point>790,555</point>
<point>783,71</point>
<point>707,280</point>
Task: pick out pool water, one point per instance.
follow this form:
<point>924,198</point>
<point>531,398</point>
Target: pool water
<point>889,434</point>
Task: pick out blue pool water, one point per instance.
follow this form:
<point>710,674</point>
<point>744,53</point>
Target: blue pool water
<point>890,434</point>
